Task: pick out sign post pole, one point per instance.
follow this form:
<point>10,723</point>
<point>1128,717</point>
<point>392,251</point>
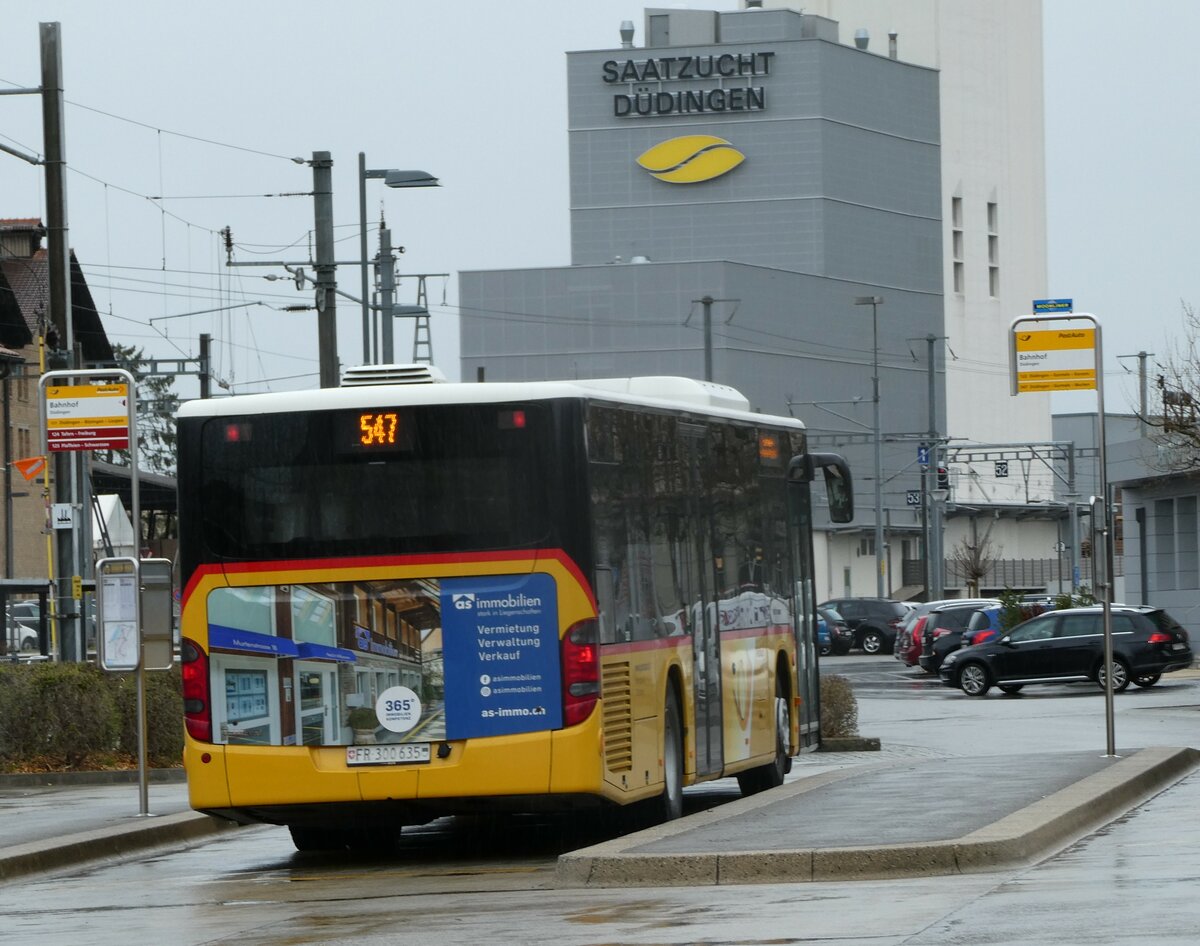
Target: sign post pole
<point>1071,359</point>
<point>101,414</point>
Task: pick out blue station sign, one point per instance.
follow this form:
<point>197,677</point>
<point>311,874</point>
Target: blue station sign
<point>1053,305</point>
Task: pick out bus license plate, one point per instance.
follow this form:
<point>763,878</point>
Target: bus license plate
<point>392,754</point>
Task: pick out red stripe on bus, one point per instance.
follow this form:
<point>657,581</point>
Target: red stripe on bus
<point>657,643</point>
<point>380,561</point>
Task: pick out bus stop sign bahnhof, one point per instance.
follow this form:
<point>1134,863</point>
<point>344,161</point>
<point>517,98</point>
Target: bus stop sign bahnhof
<point>1058,353</point>
<point>1055,360</point>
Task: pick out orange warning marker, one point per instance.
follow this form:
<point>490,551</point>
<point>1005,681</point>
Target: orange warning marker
<point>30,467</point>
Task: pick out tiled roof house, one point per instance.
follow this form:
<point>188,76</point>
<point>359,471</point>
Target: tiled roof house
<point>25,293</point>
<point>24,321</point>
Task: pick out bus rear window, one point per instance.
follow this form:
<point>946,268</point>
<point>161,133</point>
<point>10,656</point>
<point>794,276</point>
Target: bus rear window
<point>375,481</point>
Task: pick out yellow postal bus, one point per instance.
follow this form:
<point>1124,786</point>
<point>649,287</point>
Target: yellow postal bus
<point>403,601</point>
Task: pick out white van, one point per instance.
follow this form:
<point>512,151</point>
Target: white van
<point>19,637</point>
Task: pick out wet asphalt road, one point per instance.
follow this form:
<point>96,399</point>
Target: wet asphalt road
<point>453,883</point>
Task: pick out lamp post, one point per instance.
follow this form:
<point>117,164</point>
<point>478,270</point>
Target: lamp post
<point>391,179</point>
<point>1070,512</point>
<point>937,541</point>
<point>874,302</point>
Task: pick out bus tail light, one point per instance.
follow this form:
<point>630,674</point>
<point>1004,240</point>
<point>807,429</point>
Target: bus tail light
<point>197,705</point>
<point>580,672</point>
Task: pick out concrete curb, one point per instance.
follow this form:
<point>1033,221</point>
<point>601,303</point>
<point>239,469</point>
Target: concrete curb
<point>74,849</point>
<point>1022,838</point>
<point>849,744</point>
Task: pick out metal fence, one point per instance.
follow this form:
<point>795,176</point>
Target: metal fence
<point>1048,573</point>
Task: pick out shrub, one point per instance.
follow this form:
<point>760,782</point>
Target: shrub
<point>164,716</point>
<point>57,714</point>
<point>1014,611</point>
<point>839,708</point>
<point>70,716</point>
<point>18,738</point>
<point>1081,598</point>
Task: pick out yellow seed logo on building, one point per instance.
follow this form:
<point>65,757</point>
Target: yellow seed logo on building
<point>691,159</point>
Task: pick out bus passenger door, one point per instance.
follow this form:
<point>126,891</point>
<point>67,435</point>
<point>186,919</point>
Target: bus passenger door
<point>805,613</point>
<point>704,624</point>
<point>706,652</point>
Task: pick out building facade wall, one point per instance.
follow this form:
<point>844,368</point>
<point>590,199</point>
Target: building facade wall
<point>1162,546</point>
<point>840,174</point>
<point>989,56</point>
<point>27,505</point>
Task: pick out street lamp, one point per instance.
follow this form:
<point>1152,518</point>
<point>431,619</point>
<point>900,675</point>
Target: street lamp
<point>874,302</point>
<point>390,178</point>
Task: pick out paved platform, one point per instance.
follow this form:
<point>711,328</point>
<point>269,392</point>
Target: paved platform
<point>897,815</point>
<point>52,821</point>
<point>898,819</point>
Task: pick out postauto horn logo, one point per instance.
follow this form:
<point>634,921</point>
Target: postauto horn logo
<point>691,159</point>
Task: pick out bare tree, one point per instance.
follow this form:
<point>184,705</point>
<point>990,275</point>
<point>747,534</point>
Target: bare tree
<point>1175,416</point>
<point>974,561</point>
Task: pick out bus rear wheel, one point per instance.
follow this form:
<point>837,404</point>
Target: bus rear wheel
<point>670,802</point>
<point>308,838</point>
<point>771,775</point>
<point>377,839</point>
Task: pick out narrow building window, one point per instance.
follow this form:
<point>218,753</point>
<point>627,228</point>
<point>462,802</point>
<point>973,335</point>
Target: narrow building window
<point>993,251</point>
<point>956,243</point>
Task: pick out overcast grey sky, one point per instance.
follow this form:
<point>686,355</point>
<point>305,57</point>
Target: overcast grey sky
<point>204,105</point>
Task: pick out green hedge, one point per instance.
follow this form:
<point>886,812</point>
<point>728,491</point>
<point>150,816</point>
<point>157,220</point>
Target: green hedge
<point>75,716</point>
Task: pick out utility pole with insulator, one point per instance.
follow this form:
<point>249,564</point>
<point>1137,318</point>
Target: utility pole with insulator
<point>326,267</point>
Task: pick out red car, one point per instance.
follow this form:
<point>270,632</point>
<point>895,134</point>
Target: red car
<point>908,642</point>
<point>940,617</point>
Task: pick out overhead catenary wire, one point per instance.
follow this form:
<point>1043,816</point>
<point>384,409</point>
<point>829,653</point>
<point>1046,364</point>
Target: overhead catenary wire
<point>180,134</point>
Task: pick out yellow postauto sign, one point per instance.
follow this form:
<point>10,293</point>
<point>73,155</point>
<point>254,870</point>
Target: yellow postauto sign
<point>691,159</point>
<point>1055,359</point>
<point>87,417</point>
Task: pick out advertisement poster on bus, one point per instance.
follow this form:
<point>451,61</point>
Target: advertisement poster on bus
<point>500,639</point>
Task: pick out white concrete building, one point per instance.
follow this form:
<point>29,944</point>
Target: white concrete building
<point>989,56</point>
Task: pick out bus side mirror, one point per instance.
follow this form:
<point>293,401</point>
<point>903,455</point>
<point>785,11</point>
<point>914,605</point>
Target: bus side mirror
<point>838,486</point>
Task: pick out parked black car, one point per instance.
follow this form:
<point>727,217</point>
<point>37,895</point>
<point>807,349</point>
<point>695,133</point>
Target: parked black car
<point>840,636</point>
<point>874,621</point>
<point>1068,646</point>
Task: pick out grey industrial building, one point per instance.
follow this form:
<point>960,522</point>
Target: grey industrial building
<point>827,189</point>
